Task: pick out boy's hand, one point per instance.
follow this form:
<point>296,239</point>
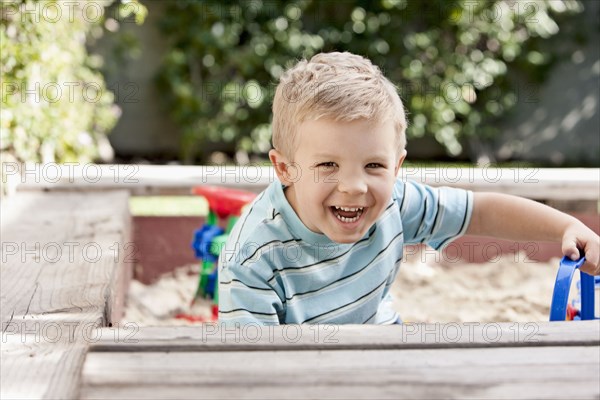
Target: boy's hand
<point>579,238</point>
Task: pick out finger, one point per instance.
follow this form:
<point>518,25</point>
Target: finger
<point>569,249</point>
<point>592,256</point>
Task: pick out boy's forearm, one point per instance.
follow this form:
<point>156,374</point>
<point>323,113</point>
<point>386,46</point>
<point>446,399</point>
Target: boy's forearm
<point>510,217</point>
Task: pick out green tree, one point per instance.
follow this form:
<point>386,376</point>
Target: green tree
<point>449,58</point>
<point>55,103</point>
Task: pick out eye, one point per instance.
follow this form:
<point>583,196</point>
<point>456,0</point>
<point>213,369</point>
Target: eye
<point>328,164</point>
<point>375,165</point>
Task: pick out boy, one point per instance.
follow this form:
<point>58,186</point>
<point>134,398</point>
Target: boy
<point>324,244</point>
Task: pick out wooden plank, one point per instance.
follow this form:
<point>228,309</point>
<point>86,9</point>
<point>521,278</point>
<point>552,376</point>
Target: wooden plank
<point>528,372</point>
<point>214,337</point>
<point>63,275</point>
<point>536,183</point>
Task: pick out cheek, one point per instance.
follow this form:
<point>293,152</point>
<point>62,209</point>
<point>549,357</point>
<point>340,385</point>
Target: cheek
<point>383,189</point>
<point>310,191</point>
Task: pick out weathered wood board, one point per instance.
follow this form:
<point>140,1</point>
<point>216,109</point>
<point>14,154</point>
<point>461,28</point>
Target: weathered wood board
<point>471,360</point>
<point>63,275</point>
<point>522,372</point>
<point>215,337</point>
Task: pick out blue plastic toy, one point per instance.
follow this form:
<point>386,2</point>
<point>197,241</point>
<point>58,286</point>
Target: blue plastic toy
<point>559,308</point>
<point>225,207</point>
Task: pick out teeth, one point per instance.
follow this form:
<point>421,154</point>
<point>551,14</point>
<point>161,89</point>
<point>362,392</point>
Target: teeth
<point>350,209</point>
<point>344,219</point>
<point>353,219</point>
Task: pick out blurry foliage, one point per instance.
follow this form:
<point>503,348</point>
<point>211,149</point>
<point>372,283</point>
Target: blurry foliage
<point>448,58</point>
<point>55,104</point>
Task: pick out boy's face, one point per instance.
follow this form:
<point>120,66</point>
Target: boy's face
<point>341,176</point>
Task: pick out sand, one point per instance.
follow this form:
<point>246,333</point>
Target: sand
<point>159,303</point>
<point>513,289</point>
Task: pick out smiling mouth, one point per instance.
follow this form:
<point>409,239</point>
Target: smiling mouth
<point>347,214</point>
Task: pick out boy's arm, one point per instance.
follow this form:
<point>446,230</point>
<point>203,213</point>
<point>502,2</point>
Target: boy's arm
<point>516,218</point>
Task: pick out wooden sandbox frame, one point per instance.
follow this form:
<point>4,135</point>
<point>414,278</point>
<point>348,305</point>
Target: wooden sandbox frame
<point>65,274</point>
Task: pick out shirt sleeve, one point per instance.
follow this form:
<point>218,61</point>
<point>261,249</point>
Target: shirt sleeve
<point>433,215</point>
<point>245,296</point>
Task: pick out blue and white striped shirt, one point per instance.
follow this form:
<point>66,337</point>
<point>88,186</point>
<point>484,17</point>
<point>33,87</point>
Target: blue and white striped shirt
<point>274,270</point>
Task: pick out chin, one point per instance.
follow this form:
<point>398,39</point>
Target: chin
<point>346,239</point>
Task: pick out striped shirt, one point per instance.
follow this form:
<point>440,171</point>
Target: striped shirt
<point>274,270</point>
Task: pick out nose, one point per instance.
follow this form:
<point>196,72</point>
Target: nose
<point>352,183</point>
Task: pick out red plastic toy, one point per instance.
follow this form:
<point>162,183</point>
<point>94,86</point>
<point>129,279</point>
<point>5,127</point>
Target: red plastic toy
<point>224,201</point>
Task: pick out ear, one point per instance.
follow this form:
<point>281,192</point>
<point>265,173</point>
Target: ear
<point>281,164</point>
<point>400,161</point>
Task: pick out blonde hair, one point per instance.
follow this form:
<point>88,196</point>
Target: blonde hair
<point>338,86</point>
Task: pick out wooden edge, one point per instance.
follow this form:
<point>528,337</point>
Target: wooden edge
<point>214,337</point>
<point>536,183</point>
<point>123,272</point>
